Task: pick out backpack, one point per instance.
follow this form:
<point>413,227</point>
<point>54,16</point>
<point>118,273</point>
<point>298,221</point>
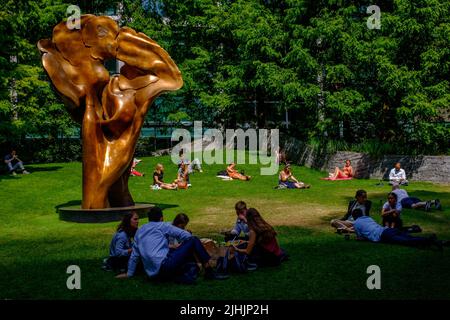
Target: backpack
<point>237,264</point>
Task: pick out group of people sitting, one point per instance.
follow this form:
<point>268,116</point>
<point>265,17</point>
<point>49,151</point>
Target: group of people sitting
<point>397,175</point>
<point>167,251</point>
<point>357,219</point>
<point>185,168</point>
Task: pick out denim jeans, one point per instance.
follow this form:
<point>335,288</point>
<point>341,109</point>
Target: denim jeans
<point>176,259</point>
<point>18,165</point>
<point>396,236</point>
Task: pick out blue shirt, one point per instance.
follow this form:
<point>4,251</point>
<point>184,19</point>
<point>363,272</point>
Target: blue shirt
<point>239,227</point>
<point>152,246</point>
<point>366,227</point>
<point>120,244</point>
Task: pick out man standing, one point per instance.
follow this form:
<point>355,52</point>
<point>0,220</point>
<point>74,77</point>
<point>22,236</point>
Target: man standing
<point>151,246</point>
<point>13,163</point>
<point>398,175</point>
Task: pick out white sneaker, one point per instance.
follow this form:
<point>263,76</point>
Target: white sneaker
<point>25,172</point>
<point>14,173</point>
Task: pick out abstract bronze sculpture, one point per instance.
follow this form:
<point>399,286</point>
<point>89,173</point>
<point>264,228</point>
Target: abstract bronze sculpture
<point>111,110</point>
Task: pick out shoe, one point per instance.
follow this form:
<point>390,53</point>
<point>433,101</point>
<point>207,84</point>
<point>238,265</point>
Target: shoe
<point>14,173</point>
<point>189,185</point>
<point>428,206</point>
<point>25,172</point>
<point>252,266</point>
<point>210,274</point>
<point>437,204</point>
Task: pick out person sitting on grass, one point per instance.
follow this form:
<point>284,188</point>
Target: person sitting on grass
<point>151,246</point>
<point>368,229</point>
<point>192,166</point>
<point>158,176</point>
<point>345,224</point>
<point>14,164</point>
<point>345,173</point>
<point>133,171</point>
<point>287,179</point>
<point>398,175</point>
<point>262,246</point>
<point>391,212</point>
<point>182,180</point>
<point>241,226</point>
<point>180,221</point>
<point>234,174</point>
<point>121,243</point>
<point>412,202</point>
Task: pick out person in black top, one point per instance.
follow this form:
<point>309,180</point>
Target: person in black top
<point>14,163</point>
<point>345,224</point>
<point>158,176</point>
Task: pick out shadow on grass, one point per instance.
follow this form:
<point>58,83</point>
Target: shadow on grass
<point>321,266</point>
<point>9,177</point>
<point>71,203</point>
<point>43,169</point>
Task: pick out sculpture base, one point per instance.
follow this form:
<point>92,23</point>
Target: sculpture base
<point>76,214</point>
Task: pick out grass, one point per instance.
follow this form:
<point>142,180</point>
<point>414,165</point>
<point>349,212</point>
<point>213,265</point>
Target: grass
<point>36,247</point>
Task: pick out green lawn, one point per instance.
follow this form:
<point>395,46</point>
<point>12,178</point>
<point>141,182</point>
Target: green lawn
<point>36,247</point>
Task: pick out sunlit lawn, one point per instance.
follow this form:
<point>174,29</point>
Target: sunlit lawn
<point>36,247</point>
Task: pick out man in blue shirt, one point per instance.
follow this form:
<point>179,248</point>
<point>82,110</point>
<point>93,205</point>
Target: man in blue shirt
<point>14,163</point>
<point>151,246</point>
<point>367,228</point>
<point>240,227</point>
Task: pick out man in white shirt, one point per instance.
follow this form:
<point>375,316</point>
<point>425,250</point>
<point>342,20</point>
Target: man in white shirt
<point>398,175</point>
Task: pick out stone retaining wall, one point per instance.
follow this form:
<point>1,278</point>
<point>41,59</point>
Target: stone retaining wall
<point>423,168</point>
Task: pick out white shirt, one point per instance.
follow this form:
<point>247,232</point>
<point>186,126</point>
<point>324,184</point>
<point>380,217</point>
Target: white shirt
<point>401,194</point>
<point>395,175</point>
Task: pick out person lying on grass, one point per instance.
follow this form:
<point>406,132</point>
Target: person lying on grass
<point>121,243</point>
<point>391,212</point>
<point>133,171</point>
<point>151,246</point>
<point>262,247</point>
<point>345,224</point>
<point>287,179</point>
<point>234,174</point>
<point>412,202</point>
<point>241,226</point>
<point>158,176</point>
<point>346,172</point>
<point>368,229</point>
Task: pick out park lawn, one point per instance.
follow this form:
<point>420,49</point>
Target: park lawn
<point>36,247</point>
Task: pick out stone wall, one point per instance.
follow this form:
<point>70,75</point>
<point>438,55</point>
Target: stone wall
<point>421,168</point>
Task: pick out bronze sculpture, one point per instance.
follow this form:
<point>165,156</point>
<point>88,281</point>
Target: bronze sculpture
<point>111,110</point>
